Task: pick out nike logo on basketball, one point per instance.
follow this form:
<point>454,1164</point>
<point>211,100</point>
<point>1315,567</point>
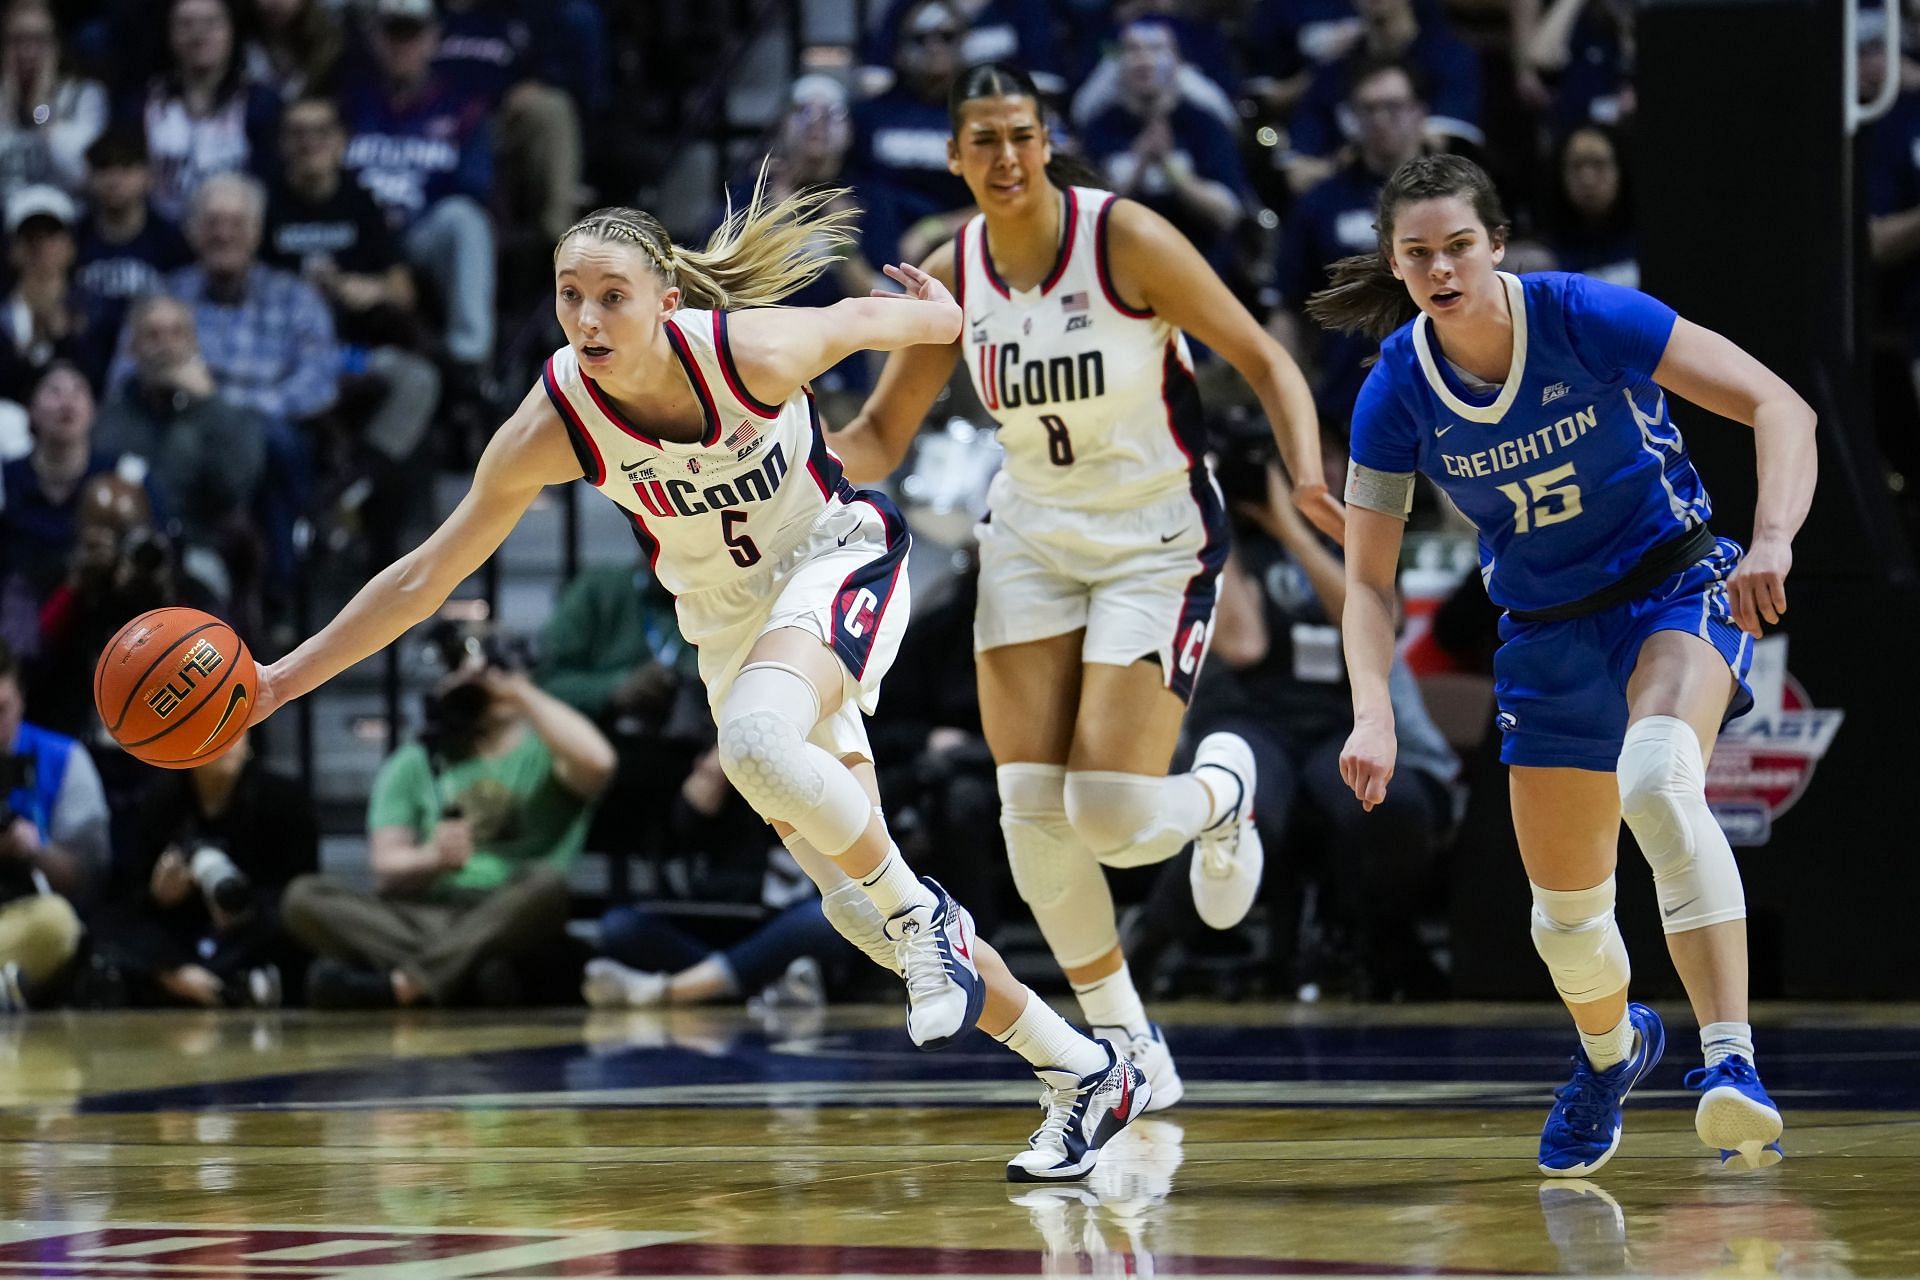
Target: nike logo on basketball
<point>234,699</point>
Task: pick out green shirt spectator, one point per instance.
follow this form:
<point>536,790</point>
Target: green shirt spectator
<point>519,812</point>
<point>611,638</point>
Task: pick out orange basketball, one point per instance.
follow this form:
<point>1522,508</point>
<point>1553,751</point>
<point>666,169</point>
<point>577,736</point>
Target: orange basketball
<point>174,687</point>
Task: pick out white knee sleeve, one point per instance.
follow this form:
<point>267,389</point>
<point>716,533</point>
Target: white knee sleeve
<point>1663,797</point>
<point>1132,819</point>
<point>1057,877</point>
<point>1575,933</point>
<point>764,751</point>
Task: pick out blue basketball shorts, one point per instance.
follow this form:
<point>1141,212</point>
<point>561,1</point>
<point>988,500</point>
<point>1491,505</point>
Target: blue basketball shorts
<point>1561,687</point>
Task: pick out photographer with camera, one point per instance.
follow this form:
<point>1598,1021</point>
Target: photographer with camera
<point>472,831</point>
<point>53,844</point>
<point>194,916</point>
<point>612,651</point>
<point>1280,681</point>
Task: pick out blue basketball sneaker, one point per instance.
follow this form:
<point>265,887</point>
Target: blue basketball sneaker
<point>1736,1117</point>
<point>933,946</point>
<point>1583,1129</point>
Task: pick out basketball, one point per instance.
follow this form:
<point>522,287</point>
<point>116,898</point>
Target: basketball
<point>173,687</point>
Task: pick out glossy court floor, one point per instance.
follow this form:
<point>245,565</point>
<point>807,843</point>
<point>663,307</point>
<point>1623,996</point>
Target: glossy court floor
<point>1316,1141</point>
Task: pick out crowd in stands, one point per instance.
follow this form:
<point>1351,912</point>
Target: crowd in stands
<point>266,265</point>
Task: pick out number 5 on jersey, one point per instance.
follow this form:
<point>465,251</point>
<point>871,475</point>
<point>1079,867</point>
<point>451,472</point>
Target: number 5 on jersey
<point>1545,500</point>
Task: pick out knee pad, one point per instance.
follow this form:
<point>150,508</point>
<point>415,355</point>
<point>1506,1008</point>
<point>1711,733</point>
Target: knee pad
<point>1056,875</point>
<point>763,749</point>
<point>1663,797</point>
<point>1128,819</point>
<point>1575,933</point>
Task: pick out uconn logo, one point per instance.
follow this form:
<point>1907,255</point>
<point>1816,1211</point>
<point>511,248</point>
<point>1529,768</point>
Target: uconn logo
<point>666,498</point>
<point>1009,383</point>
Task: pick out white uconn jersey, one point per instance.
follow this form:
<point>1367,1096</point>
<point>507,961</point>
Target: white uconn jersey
<point>727,507</point>
<point>1095,400</point>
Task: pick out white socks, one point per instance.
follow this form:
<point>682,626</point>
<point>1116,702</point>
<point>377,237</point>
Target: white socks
<point>1112,1002</point>
<point>1609,1048</point>
<point>1049,1042</point>
<point>893,886</point>
<point>1722,1040</point>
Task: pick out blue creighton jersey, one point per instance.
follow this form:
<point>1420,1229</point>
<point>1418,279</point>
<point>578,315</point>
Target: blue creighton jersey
<point>1571,469</point>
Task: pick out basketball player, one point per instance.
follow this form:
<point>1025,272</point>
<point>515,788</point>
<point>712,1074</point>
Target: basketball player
<point>691,411</point>
<point>1099,560</point>
<point>1539,406</point>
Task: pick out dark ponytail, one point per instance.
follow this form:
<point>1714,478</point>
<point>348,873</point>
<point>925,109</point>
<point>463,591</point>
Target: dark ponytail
<point>1004,80</point>
<point>1364,296</point>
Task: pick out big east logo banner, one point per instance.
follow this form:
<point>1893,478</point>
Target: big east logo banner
<point>1764,761</point>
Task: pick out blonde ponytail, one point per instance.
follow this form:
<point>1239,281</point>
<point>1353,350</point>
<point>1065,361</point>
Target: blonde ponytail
<point>760,253</point>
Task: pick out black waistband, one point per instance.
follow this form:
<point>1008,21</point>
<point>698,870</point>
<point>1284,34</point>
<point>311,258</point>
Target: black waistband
<point>1659,564</point>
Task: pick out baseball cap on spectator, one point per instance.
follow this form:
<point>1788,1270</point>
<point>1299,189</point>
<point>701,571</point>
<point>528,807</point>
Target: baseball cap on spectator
<point>39,201</point>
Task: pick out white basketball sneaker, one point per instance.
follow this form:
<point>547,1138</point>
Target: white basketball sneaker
<point>1082,1115</point>
<point>933,946</point>
<point>608,984</point>
<point>1149,1052</point>
<point>1227,856</point>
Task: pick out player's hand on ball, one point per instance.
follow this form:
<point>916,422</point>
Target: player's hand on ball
<point>1366,762</point>
<point>916,283</point>
<point>1757,591</point>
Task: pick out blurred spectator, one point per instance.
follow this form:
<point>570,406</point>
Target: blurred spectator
<point>612,650</point>
<point>46,317</point>
<point>1334,218</point>
<point>47,118</point>
<point>1583,51</point>
<point>423,150</point>
<point>1202,72</point>
<point>323,225</point>
<point>472,833</point>
<point>194,917</point>
<point>650,961</point>
<point>121,566</point>
<point>294,47</point>
<point>810,150</point>
<point>53,844</point>
<point>39,519</point>
<point>1393,30</point>
<point>1016,31</point>
<point>266,336</point>
<point>1288,41</point>
<point>207,453</point>
<point>1279,680</point>
<point>1588,227</point>
<point>203,116</point>
<point>487,50</point>
<point>1163,151</point>
<point>898,161</point>
<point>124,246</point>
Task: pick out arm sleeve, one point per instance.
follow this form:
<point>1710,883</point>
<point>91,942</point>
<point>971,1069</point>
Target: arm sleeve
<point>1383,434</point>
<point>1616,331</point>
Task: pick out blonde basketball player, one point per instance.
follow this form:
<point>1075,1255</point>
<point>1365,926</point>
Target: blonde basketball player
<point>1106,534</point>
<point>682,396</point>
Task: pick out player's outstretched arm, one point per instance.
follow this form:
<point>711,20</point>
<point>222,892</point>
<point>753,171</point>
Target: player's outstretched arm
<point>1711,371</point>
<point>1366,633</point>
<point>1153,262</point>
<point>528,453</point>
<point>873,445</point>
<point>781,349</point>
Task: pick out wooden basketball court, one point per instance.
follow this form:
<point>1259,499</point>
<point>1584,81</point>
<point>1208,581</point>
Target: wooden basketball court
<point>1338,1141</point>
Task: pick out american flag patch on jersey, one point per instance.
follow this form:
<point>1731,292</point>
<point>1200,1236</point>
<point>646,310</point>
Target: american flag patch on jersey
<point>1071,302</point>
<point>743,434</point>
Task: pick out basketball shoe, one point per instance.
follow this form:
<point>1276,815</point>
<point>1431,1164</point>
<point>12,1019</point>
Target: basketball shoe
<point>1149,1052</point>
<point>1083,1113</point>
<point>1735,1116</point>
<point>933,946</point>
<point>1227,856</point>
<point>1583,1129</point>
